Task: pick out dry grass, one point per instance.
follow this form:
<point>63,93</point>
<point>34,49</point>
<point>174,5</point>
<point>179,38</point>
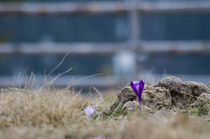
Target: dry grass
<point>58,114</point>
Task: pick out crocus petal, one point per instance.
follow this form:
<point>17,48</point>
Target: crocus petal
<point>135,88</point>
<point>89,111</point>
<point>141,87</point>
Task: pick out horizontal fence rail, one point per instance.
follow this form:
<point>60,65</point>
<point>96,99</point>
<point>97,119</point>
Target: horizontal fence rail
<point>152,47</point>
<point>61,48</point>
<point>103,8</point>
<point>175,47</point>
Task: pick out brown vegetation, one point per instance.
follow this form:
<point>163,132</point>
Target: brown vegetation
<point>51,113</point>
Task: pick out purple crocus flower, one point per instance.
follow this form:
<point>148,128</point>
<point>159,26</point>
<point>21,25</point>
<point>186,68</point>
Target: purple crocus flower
<point>138,88</point>
<point>89,111</point>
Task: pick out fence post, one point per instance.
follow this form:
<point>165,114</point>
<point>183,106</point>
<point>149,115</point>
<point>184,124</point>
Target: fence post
<point>135,35</point>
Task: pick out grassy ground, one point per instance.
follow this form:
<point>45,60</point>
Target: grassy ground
<point>58,114</point>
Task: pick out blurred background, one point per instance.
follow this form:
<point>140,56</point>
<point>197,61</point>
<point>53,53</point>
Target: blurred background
<point>105,42</point>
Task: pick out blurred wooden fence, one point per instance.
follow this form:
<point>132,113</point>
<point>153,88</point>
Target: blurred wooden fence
<point>133,8</point>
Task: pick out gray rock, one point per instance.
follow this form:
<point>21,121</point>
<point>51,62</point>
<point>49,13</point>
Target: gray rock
<point>164,113</point>
<point>197,88</point>
<point>156,97</point>
<point>126,94</point>
<point>183,93</point>
<point>131,106</point>
<point>169,93</point>
<point>202,100</point>
<point>171,82</point>
<point>175,85</point>
<point>205,97</point>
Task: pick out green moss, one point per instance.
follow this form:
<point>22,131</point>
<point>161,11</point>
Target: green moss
<point>115,113</point>
<point>202,110</point>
